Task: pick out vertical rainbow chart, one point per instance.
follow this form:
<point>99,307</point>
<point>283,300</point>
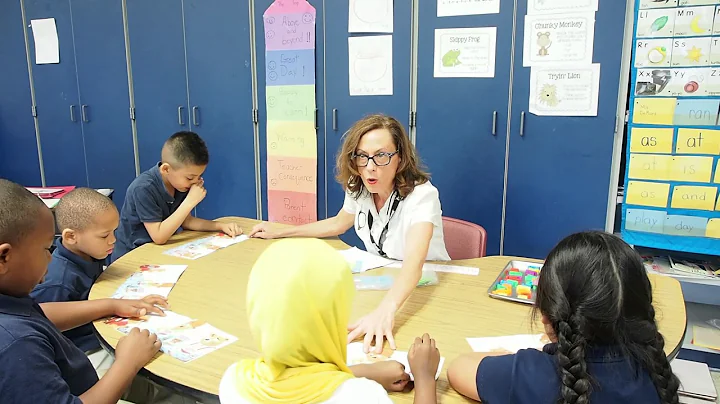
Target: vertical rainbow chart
<point>290,98</point>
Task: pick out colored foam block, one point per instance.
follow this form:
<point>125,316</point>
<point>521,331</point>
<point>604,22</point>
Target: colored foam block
<point>515,273</point>
<point>512,282</point>
<point>524,290</point>
<point>501,292</point>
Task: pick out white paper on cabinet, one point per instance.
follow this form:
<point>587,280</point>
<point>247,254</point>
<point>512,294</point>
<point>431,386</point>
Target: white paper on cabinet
<point>447,8</point>
<point>465,52</point>
<point>370,16</point>
<point>564,90</point>
<point>560,6</point>
<point>47,49</point>
<point>370,65</point>
<point>556,39</point>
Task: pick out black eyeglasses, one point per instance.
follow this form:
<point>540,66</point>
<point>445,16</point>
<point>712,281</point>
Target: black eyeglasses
<point>380,159</point>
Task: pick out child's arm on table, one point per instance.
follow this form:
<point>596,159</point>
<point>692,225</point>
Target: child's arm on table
<point>160,232</point>
<point>68,315</point>
<point>424,360</point>
<point>389,374</point>
<point>462,372</point>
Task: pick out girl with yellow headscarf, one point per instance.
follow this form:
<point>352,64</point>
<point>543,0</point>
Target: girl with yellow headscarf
<point>298,301</point>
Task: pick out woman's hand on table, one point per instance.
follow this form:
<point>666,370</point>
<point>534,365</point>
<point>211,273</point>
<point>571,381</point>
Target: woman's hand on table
<point>263,230</point>
<point>231,229</point>
<point>137,348</point>
<point>377,325</point>
<point>138,308</point>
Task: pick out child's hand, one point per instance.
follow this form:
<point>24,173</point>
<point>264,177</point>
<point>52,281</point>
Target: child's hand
<point>137,348</point>
<point>137,308</point>
<point>424,359</point>
<point>197,193</point>
<point>231,229</point>
<point>390,374</point>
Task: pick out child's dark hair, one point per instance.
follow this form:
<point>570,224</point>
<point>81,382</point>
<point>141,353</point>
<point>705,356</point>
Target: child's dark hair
<point>185,148</point>
<point>594,290</point>
<point>19,212</point>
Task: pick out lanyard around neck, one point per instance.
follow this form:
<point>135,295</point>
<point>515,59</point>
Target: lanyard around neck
<point>383,235</point>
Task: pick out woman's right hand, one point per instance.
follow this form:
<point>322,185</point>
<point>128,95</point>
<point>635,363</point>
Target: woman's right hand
<point>263,230</point>
<point>137,348</point>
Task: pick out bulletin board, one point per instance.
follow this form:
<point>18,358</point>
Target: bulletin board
<point>673,150</point>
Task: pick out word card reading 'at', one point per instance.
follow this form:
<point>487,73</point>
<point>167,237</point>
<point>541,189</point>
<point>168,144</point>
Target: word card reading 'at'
<point>649,221</point>
<point>691,168</point>
<point>693,197</point>
<point>292,174</point>
<point>651,140</point>
<point>297,139</point>
<point>649,166</point>
<point>698,141</point>
<point>685,225</point>
<point>654,111</point>
<point>292,207</point>
<point>647,194</point>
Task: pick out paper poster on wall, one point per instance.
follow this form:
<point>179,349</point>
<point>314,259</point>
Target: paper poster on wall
<point>465,52</point>
<point>653,52</point>
<point>447,8</point>
<point>691,52</point>
<point>370,16</point>
<point>555,39</point>
<point>47,47</point>
<point>560,6</point>
<point>676,82</point>
<point>290,100</point>
<point>655,23</point>
<point>370,65</point>
<point>564,91</point>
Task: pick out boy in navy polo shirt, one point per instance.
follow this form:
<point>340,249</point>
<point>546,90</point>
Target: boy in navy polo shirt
<point>87,220</point>
<point>160,200</point>
<point>39,364</point>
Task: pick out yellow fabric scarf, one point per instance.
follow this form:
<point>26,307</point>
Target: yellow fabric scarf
<point>299,297</point>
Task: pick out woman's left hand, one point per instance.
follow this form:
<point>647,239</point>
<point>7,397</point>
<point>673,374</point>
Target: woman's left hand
<point>377,325</point>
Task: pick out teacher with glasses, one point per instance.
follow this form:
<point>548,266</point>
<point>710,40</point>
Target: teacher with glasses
<point>395,211</point>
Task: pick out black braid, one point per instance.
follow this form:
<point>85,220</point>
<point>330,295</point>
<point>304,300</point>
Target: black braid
<point>571,346</point>
<point>665,381</point>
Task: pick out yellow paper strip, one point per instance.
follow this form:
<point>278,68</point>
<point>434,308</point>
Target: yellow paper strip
<point>692,197</point>
<point>647,194</point>
<point>655,111</point>
<point>297,139</point>
<point>649,166</point>
<point>713,228</point>
<point>691,168</point>
<point>651,140</point>
<point>698,141</point>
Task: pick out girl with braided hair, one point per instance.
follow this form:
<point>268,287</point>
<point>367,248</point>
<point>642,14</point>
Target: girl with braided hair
<point>595,302</point>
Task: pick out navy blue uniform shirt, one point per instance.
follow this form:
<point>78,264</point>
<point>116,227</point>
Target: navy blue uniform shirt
<point>69,279</point>
<point>531,377</point>
<point>39,364</point>
<point>146,201</point>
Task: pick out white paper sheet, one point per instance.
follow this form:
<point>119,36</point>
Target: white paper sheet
<point>370,65</point>
<point>465,52</point>
<point>559,39</point>
<point>446,8</point>
<point>453,269</point>
<point>560,6</point>
<point>509,343</point>
<point>370,16</point>
<point>47,48</point>
<point>361,261</point>
<point>564,90</point>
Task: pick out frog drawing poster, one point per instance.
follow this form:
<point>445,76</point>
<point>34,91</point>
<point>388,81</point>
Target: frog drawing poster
<point>465,52</point>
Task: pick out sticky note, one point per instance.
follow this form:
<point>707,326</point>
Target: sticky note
<point>691,168</point>
<point>651,140</point>
<point>649,166</point>
<point>698,141</point>
<point>647,193</point>
<point>713,228</point>
<point>685,225</point>
<point>701,112</point>
<point>655,111</point>
<point>296,139</point>
<point>717,173</point>
<point>693,197</point>
<point>649,221</point>
<point>292,174</point>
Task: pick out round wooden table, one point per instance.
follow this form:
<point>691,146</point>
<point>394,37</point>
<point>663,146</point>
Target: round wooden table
<point>213,289</point>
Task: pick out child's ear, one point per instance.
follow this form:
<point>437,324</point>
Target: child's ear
<point>164,168</point>
<point>69,236</point>
<point>4,257</point>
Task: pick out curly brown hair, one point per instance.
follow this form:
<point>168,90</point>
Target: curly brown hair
<point>410,172</point>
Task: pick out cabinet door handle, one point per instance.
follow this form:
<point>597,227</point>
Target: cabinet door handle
<point>84,114</point>
<point>180,116</point>
<point>196,117</point>
<point>494,123</point>
<point>522,123</point>
<point>72,114</point>
<point>334,119</point>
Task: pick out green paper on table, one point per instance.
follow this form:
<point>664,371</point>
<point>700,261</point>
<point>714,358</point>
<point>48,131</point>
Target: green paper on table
<point>385,282</point>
